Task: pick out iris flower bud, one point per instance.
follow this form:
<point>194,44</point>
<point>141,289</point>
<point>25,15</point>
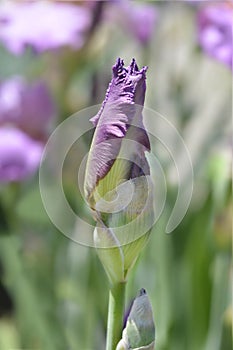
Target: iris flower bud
<point>117,185</point>
<point>139,333</point>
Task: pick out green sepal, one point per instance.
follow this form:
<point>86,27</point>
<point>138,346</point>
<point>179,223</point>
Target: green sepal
<point>132,251</point>
<point>129,213</point>
<point>110,253</point>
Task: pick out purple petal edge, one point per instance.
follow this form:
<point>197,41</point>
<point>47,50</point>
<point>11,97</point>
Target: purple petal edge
<point>121,76</point>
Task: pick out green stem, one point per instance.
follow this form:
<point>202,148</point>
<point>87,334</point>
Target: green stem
<point>115,315</point>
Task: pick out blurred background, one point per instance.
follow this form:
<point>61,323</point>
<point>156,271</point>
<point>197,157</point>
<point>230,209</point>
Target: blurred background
<point>56,59</point>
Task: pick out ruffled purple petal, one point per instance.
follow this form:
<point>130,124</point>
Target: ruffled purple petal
<point>121,108</point>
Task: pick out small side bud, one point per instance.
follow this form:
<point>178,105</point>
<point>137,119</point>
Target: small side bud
<point>139,332</point>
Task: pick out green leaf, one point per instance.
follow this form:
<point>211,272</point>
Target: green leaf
<point>30,207</point>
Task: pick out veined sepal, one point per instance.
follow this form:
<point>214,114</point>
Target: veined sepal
<point>109,252</point>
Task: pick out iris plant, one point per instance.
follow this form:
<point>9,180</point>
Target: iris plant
<point>118,185</point>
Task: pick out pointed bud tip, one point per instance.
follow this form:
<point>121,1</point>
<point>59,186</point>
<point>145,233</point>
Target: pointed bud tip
<point>132,69</point>
<point>142,292</point>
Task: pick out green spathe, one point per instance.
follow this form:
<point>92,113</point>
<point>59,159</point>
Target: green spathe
<point>122,232</point>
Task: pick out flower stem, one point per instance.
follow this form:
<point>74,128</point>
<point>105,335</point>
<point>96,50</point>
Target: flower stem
<point>115,315</point>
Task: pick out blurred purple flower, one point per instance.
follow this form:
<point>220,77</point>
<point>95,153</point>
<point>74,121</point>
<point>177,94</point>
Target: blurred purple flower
<point>29,106</point>
<point>10,99</point>
<point>42,25</point>
<point>215,31</point>
<point>38,108</point>
<point>141,20</point>
<point>19,155</point>
<point>138,19</point>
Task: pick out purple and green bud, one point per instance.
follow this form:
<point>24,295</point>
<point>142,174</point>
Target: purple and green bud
<point>117,185</point>
<point>139,332</point>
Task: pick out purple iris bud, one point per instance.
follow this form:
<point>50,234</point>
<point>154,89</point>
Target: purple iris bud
<point>215,31</point>
<point>117,182</point>
<point>119,117</point>
<point>42,25</point>
<point>29,106</point>
<point>19,155</point>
